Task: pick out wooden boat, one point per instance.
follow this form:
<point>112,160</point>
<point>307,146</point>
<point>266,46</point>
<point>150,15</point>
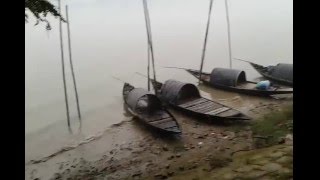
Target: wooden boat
<point>280,73</point>
<point>148,108</point>
<point>186,97</point>
<point>235,80</point>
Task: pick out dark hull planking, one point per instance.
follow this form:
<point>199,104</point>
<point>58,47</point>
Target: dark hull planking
<point>156,121</point>
<point>255,92</point>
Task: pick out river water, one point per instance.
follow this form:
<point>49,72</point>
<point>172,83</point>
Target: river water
<point>109,40</point>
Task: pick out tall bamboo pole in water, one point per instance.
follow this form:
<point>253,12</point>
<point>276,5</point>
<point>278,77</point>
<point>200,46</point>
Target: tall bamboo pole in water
<point>148,69</point>
<point>71,64</point>
<point>151,43</point>
<point>148,46</point>
<point>205,40</point>
<point>63,69</point>
<point>148,26</point>
<point>229,37</point>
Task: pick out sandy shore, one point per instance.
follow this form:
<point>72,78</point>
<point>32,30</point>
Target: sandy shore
<point>131,151</point>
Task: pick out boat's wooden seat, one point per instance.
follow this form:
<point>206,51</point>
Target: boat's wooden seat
<point>206,106</point>
<point>161,119</point>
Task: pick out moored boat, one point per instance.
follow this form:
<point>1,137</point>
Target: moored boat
<point>148,108</point>
<point>236,81</point>
<point>281,73</point>
<point>186,97</point>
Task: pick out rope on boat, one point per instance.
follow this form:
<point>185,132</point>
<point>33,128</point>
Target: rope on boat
<point>205,40</point>
<point>175,68</point>
<point>71,65</point>
<point>242,60</point>
<point>63,70</point>
<point>141,74</point>
<point>118,79</point>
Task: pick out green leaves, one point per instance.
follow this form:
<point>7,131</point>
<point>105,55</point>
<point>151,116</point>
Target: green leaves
<point>40,9</point>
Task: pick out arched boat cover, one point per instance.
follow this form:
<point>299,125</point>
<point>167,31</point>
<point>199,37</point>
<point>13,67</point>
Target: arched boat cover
<point>227,77</point>
<point>172,91</point>
<point>137,93</point>
<point>282,71</point>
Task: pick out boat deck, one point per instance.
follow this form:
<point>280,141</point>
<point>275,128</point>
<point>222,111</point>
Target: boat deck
<point>161,119</point>
<point>206,106</point>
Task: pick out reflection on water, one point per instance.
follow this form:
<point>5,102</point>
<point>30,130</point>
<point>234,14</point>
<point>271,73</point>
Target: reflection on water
<point>109,39</point>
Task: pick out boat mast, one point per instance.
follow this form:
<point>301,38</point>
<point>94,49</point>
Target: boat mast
<point>229,37</point>
<point>205,40</point>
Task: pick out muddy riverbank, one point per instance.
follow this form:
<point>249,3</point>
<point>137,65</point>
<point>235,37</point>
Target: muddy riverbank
<point>131,151</point>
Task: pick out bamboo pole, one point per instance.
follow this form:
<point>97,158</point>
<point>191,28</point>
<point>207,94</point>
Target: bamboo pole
<point>229,36</point>
<point>148,69</point>
<point>147,17</point>
<point>205,40</point>
<point>63,70</point>
<point>71,64</point>
<point>148,46</point>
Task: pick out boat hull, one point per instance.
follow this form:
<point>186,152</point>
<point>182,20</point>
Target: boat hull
<point>260,68</point>
<point>254,92</point>
<point>153,120</point>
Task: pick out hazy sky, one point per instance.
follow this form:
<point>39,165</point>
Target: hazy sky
<point>109,38</point>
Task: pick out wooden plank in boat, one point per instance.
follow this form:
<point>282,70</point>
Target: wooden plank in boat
<point>193,102</point>
<point>166,124</point>
<point>212,106</point>
<point>205,109</point>
<point>198,104</point>
<point>159,121</point>
<point>231,112</point>
<point>216,105</point>
<point>208,109</point>
<point>155,118</point>
<point>170,128</point>
<point>201,105</point>
<point>219,110</point>
<point>158,117</point>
